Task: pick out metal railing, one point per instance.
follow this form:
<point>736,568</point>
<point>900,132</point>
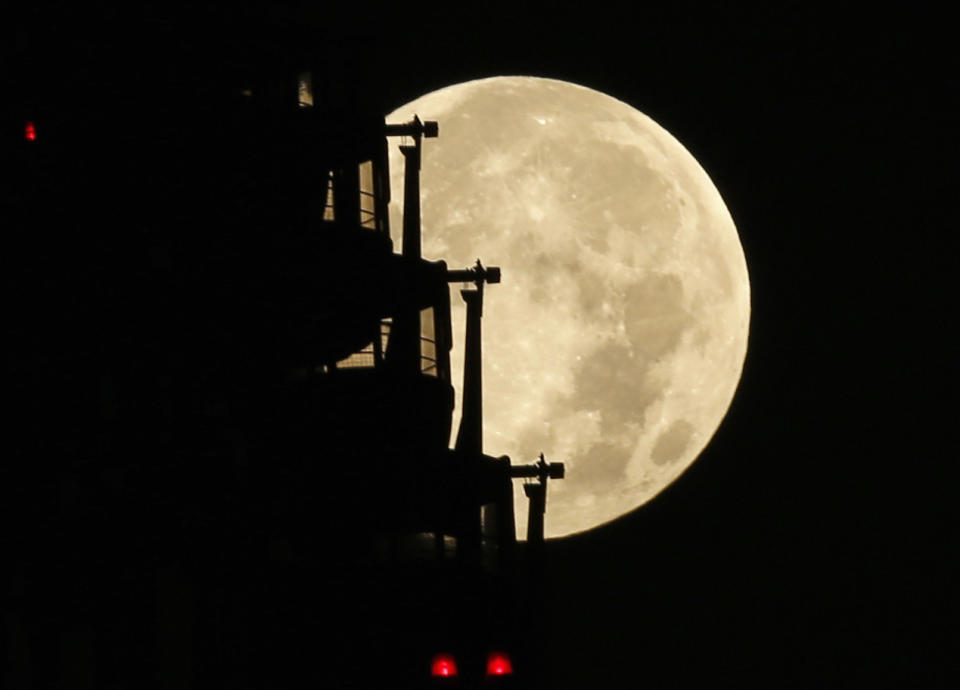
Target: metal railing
<point>372,356</point>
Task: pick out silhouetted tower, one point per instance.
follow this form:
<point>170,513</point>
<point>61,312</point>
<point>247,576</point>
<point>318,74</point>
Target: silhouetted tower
<point>273,460</point>
<point>390,401</point>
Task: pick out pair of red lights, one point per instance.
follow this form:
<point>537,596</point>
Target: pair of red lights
<point>30,131</point>
<point>445,666</point>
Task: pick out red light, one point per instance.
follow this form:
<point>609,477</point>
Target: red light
<point>443,666</point>
<point>30,131</point>
<point>498,664</point>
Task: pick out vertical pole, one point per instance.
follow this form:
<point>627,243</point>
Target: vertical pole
<point>537,493</point>
<point>536,566</point>
<point>411,200</point>
<point>470,435</point>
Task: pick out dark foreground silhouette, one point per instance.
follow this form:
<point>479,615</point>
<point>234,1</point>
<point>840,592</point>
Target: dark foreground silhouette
<point>231,462</point>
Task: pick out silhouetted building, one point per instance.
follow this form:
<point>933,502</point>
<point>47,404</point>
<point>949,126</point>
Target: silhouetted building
<point>231,461</point>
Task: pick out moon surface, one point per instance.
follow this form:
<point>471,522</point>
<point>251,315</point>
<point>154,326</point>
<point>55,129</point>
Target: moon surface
<point>617,338</point>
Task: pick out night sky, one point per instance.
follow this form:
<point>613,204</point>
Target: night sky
<point>814,542</point>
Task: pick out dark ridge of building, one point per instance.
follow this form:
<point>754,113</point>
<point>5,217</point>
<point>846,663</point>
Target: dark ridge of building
<point>231,460</point>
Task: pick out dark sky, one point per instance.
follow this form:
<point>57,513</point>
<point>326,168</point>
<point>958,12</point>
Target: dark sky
<point>812,545</point>
<point>814,542</point>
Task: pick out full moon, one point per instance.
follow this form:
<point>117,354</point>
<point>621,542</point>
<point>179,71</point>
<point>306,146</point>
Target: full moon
<point>617,338</point>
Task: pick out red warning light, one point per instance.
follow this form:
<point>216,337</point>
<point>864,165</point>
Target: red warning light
<point>443,666</point>
<point>498,664</point>
<point>30,131</point>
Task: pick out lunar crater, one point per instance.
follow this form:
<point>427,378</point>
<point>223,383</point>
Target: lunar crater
<point>672,442</point>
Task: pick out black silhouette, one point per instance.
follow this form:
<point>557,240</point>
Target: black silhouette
<point>235,401</point>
